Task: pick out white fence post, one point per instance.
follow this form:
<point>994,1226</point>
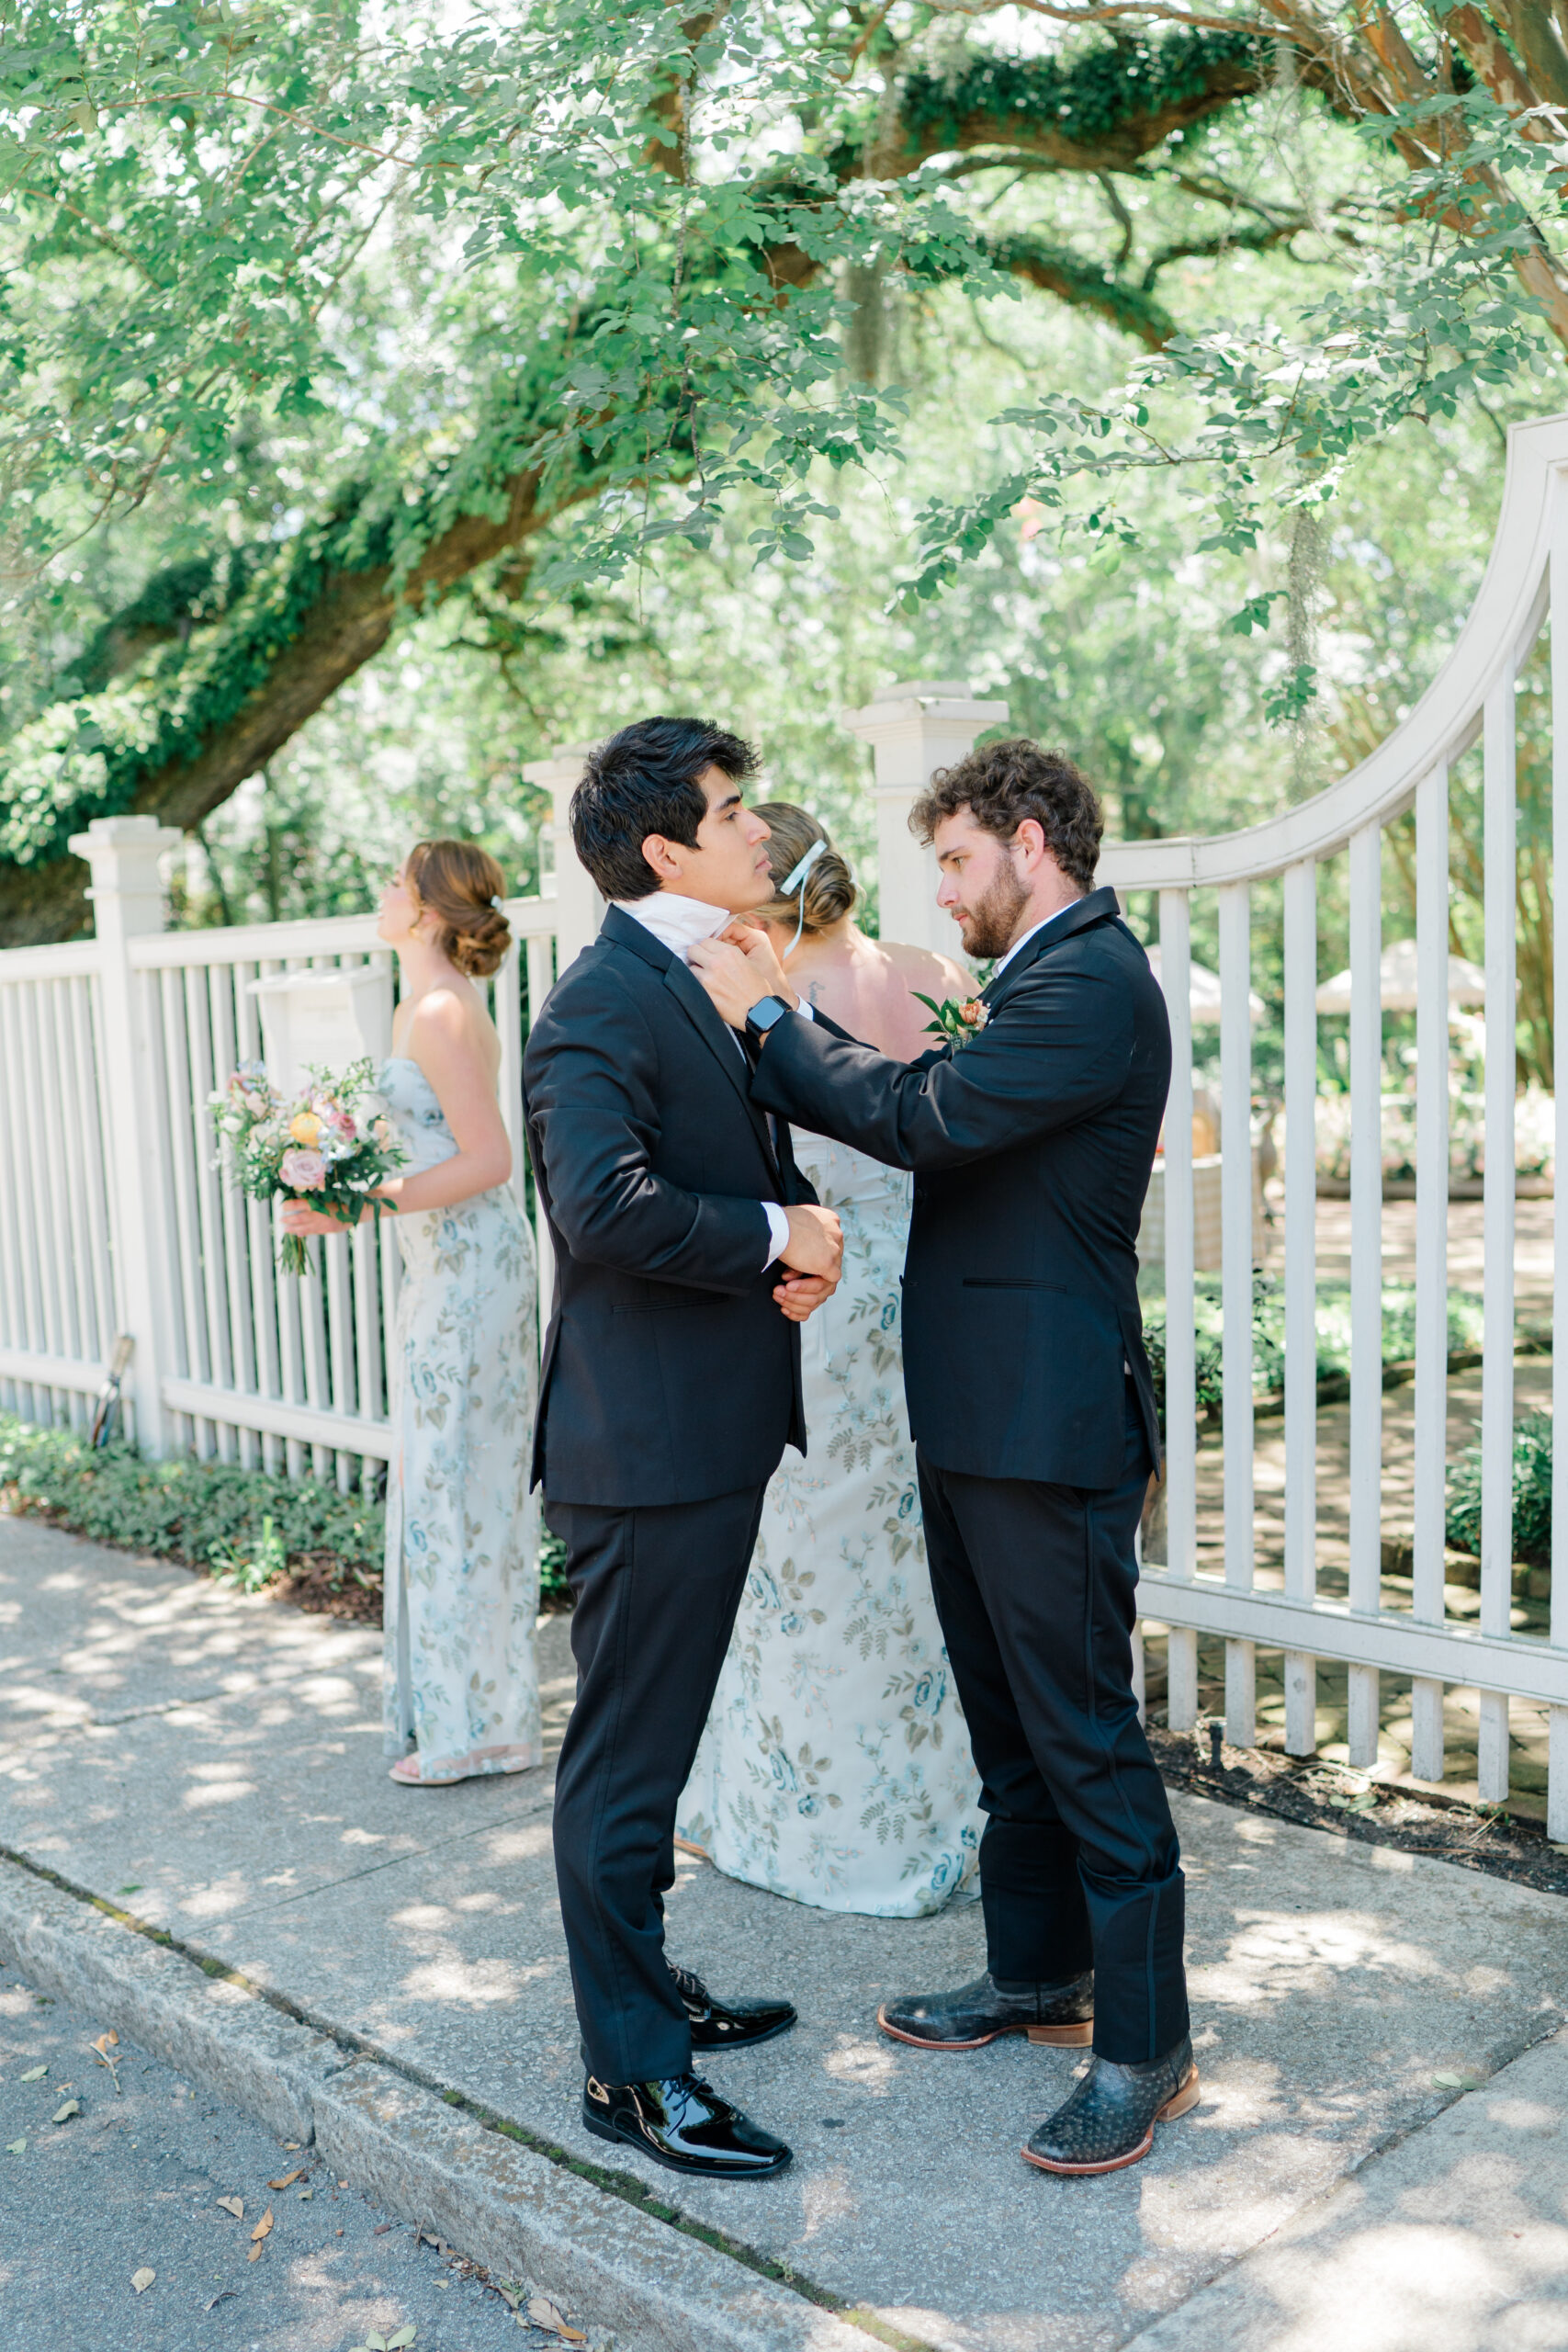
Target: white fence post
<point>914,729</point>
<point>123,854</point>
<point>579,907</point>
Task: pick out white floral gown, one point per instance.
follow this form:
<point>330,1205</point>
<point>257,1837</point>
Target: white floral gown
<point>459,1674</point>
<point>835,1767</point>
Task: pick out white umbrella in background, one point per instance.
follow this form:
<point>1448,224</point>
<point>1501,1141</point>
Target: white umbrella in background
<point>1203,994</point>
<point>1396,983</point>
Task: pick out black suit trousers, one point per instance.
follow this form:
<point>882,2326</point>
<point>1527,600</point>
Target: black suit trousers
<point>655,1588</point>
<point>1079,1865</point>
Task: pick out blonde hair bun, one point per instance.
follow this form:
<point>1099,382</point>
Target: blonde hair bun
<point>462,887</point>
<point>829,891</point>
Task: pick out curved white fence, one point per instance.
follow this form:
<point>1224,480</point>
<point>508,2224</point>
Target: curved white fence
<point>1526,579</point>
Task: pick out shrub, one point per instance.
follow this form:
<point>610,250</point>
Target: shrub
<point>1532,1493</point>
<point>246,1526</point>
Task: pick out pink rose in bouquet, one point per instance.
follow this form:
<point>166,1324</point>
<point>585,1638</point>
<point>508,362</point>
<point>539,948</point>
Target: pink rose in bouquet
<point>302,1171</point>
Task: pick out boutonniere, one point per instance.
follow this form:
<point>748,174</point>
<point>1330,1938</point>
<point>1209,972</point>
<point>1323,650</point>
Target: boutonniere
<point>959,1023</point>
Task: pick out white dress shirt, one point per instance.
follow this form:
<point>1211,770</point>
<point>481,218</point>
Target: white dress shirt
<point>679,923</point>
<point>1017,944</point>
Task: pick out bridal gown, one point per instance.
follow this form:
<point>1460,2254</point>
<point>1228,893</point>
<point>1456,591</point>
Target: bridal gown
<point>459,1674</point>
<point>835,1766</point>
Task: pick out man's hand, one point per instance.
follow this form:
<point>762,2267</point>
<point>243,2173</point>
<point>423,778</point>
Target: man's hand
<point>799,1295</point>
<point>739,971</point>
<point>816,1244</point>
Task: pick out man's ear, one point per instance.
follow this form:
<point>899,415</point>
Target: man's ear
<point>657,858</point>
<point>1030,838</point>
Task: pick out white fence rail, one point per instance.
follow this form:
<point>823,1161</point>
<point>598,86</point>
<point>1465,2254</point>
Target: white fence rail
<point>112,1217</point>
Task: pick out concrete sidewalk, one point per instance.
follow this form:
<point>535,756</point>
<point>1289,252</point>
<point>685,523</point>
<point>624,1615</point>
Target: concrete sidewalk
<point>212,1765</point>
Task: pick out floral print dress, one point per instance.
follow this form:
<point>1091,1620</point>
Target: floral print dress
<point>459,1675</point>
<point>835,1767</point>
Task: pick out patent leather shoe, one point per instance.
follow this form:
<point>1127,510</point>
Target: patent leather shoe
<point>966,2019</point>
<point>729,2024</point>
<point>682,2123</point>
<point>1110,2119</point>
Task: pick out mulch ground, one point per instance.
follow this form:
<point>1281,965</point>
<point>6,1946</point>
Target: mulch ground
<point>1324,1796</point>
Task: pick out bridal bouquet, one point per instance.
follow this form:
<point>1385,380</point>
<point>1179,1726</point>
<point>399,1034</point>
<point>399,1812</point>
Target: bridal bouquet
<point>330,1147</point>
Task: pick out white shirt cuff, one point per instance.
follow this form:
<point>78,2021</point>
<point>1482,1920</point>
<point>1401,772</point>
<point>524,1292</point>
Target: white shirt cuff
<point>778,1231</point>
<point>807,1012</point>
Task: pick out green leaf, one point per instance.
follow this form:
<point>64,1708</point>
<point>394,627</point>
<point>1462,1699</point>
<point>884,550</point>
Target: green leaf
<point>33,2074</point>
<point>16,2147</point>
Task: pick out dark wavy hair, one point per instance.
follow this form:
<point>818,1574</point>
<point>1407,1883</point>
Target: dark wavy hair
<point>1001,784</point>
<point>644,781</point>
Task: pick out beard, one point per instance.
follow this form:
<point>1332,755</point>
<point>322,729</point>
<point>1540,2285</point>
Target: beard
<point>989,925</point>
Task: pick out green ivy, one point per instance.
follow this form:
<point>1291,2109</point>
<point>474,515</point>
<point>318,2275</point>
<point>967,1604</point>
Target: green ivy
<point>212,1515</point>
<point>1085,98</point>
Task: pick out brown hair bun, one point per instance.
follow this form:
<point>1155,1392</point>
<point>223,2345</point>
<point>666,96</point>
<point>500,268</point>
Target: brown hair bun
<point>829,891</point>
<point>458,885</point>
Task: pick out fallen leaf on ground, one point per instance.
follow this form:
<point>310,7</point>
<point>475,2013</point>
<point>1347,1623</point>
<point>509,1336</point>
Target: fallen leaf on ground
<point>307,2192</point>
<point>72,2107</point>
<point>256,2253</point>
<point>34,2075</point>
<point>550,2316</point>
<point>262,2228</point>
<point>16,2147</point>
<point>289,2178</point>
<point>105,2042</point>
<point>511,2294</point>
<point>224,2295</point>
<point>142,2279</point>
<point>235,2205</point>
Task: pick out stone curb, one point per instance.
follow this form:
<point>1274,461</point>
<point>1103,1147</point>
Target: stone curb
<point>656,2288</point>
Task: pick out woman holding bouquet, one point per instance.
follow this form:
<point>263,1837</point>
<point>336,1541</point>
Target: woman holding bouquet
<point>460,1680</point>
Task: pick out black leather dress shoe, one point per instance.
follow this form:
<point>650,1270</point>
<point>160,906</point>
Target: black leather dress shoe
<point>684,2123</point>
<point>1110,2119</point>
<point>729,2024</point>
<point>972,2015</point>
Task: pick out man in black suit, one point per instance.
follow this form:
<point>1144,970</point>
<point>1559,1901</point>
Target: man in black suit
<point>688,1251</point>
<point>1033,1417</point>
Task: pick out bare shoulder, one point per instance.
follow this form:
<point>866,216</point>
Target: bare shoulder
<point>450,1019</point>
<point>932,975</point>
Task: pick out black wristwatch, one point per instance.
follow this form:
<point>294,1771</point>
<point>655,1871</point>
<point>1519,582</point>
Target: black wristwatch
<point>761,1017</point>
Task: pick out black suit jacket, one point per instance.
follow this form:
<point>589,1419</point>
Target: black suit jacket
<point>668,1373</point>
<point>1031,1148</point>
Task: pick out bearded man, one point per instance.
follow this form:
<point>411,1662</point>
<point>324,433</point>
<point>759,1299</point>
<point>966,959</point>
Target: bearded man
<point>1032,1136</point>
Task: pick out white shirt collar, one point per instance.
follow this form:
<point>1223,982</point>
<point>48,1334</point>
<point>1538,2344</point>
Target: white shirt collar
<point>676,923</point>
<point>1028,936</point>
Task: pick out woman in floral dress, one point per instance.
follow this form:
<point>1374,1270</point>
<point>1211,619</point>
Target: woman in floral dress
<point>460,1603</point>
<point>835,1767</point>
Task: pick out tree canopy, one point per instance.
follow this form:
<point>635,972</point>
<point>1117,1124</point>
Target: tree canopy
<point>318,315</point>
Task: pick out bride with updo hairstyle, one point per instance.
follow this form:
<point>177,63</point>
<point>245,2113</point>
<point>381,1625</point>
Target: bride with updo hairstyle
<point>460,1604</point>
<point>835,1767</point>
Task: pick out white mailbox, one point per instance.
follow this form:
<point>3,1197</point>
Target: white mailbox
<point>328,1019</point>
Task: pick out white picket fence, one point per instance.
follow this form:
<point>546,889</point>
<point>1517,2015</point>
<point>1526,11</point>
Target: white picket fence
<point>114,1219</point>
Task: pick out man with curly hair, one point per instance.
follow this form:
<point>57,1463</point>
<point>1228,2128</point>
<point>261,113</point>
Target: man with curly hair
<point>1031,1135</point>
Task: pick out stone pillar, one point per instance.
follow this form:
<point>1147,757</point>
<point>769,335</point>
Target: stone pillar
<point>914,729</point>
<point>578,908</point>
<point>123,853</point>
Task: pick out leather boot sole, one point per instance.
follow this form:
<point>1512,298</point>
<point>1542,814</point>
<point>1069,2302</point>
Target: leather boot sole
<point>694,2164</point>
<point>1186,2097</point>
<point>1055,2037</point>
